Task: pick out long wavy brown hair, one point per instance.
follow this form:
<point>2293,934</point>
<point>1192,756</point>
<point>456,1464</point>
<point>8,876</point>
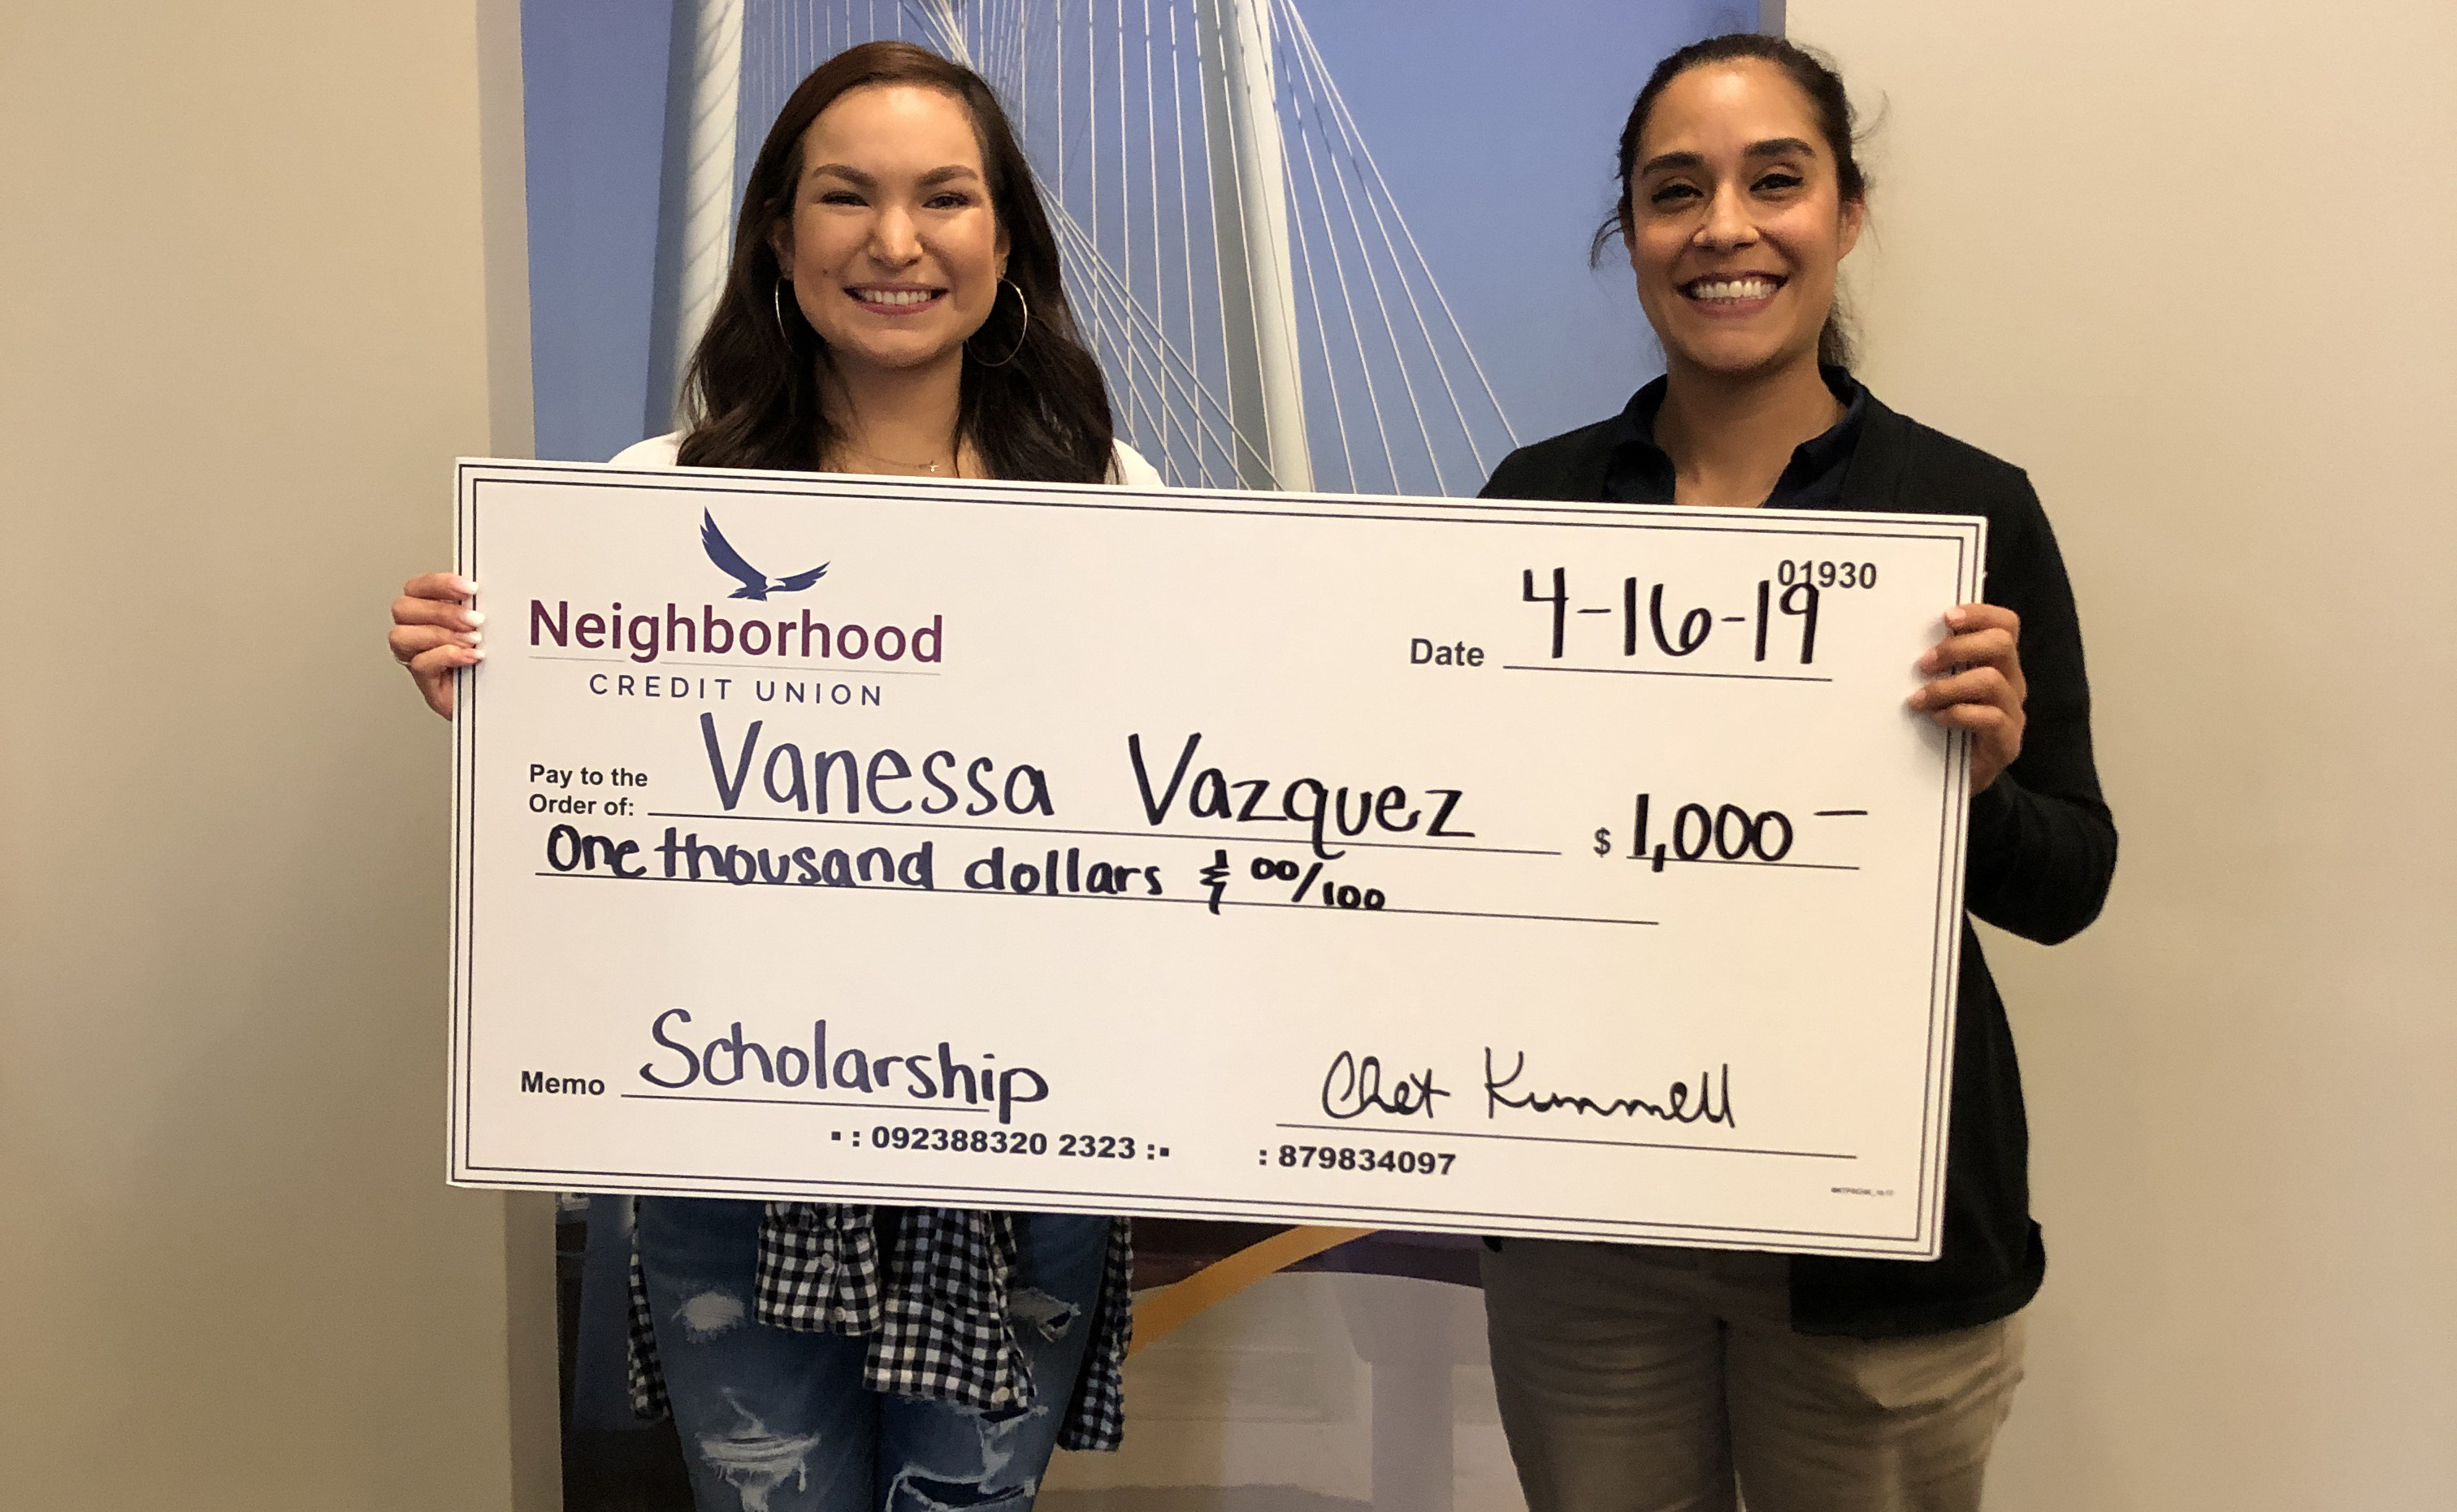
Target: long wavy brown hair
<point>750,397</point>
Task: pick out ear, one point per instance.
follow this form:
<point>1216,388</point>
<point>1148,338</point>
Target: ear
<point>1003,246</point>
<point>780,241</point>
<point>1855,214</point>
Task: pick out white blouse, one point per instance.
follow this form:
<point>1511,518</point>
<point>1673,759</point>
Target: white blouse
<point>1127,468</point>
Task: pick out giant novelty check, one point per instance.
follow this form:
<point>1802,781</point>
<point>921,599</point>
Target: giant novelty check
<point>1416,863</point>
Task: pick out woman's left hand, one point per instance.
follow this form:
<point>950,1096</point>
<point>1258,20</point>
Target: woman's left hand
<point>1975,684</point>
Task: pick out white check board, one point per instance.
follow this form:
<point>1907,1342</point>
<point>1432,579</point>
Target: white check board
<point>1405,862</point>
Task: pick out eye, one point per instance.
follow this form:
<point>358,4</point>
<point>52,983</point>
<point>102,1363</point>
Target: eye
<point>1780,181</point>
<point>948,200</point>
<point>839,196</point>
<point>1672,193</point>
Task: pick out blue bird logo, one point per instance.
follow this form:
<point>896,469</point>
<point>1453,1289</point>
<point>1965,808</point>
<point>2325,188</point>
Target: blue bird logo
<point>755,583</point>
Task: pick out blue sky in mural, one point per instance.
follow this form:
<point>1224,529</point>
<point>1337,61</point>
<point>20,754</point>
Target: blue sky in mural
<point>1493,124</point>
<point>1496,130</point>
<point>593,90</point>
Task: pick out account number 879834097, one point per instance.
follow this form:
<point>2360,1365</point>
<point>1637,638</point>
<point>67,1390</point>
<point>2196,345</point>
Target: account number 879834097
<point>1359,1158</point>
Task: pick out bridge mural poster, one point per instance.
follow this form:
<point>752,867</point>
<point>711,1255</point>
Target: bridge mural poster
<point>1317,245</point>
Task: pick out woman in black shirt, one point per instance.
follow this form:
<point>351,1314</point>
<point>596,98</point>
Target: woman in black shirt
<point>1635,1378</point>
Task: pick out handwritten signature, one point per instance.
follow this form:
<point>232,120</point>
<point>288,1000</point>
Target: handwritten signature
<point>1352,1088</point>
<point>1674,1108</point>
<point>1356,1085</point>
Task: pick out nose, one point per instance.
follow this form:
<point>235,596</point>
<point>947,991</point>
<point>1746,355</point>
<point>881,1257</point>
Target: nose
<point>1727,223</point>
<point>893,243</point>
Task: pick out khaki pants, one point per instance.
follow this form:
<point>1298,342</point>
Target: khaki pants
<point>1638,1379</point>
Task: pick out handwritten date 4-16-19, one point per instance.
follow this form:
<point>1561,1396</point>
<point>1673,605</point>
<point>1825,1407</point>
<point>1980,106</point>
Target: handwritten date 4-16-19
<point>1684,632</point>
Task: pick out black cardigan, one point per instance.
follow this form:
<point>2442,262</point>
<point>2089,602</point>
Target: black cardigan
<point>2042,849</point>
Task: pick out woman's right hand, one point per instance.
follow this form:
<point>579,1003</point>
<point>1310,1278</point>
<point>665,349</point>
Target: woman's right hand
<point>434,632</point>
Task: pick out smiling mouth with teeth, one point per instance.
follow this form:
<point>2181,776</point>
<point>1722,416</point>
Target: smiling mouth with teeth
<point>894,299</point>
<point>1730,291</point>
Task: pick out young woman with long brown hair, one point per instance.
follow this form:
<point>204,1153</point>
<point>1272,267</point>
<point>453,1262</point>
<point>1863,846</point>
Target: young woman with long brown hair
<point>893,308</point>
<point>1643,1380</point>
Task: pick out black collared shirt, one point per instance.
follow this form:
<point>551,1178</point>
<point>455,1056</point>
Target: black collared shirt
<point>1639,471</point>
<point>2042,846</point>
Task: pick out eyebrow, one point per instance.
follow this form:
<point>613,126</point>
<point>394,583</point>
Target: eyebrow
<point>1771,147</point>
<point>855,176</point>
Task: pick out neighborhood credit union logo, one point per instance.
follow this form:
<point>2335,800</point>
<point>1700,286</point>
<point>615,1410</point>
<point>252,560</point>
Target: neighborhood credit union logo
<point>755,583</point>
<point>648,632</point>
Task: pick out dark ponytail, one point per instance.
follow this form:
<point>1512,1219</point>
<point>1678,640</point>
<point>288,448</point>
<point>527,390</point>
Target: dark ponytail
<point>1828,102</point>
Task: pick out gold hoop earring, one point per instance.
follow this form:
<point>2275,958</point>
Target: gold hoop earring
<point>776,302</point>
<point>1022,334</point>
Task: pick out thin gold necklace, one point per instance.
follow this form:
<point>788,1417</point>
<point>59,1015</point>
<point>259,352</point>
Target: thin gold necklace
<point>931,468</point>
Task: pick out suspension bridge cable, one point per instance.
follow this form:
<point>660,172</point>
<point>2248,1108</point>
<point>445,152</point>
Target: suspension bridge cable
<point>1124,303</point>
<point>1354,133</point>
<point>1373,280</point>
<point>1372,398</point>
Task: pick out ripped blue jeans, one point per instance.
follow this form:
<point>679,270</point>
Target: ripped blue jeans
<point>776,1420</point>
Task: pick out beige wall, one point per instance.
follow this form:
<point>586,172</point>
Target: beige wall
<point>2193,266</point>
<point>2193,270</point>
<point>243,330</point>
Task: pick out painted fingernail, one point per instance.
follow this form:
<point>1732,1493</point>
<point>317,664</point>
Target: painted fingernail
<point>474,617</point>
<point>477,653</point>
